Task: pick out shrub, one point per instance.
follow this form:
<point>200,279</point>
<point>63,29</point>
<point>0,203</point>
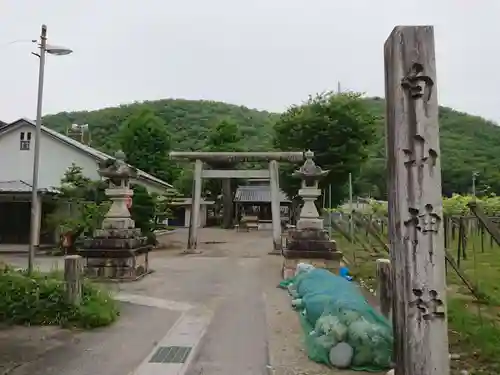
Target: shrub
<point>39,299</point>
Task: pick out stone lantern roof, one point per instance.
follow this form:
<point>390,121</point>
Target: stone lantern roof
<point>309,172</point>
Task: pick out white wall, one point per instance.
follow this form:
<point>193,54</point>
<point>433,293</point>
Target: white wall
<point>202,219</point>
<point>55,158</point>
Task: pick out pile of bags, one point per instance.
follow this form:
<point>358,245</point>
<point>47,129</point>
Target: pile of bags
<point>342,329</point>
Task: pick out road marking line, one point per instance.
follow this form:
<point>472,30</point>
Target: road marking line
<point>188,330</point>
<point>153,302</point>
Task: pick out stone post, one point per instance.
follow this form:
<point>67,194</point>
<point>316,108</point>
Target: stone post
<point>415,203</point>
<point>195,206</point>
<point>73,271</point>
<point>384,290</point>
<point>275,206</point>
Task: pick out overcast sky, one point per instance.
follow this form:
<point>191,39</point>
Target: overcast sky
<point>264,54</point>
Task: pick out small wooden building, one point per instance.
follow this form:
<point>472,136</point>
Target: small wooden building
<point>254,199</point>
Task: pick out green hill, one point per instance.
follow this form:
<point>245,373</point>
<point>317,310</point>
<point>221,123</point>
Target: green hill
<point>188,122</point>
<point>468,143</point>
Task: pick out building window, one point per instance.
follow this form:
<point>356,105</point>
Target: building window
<point>25,140</point>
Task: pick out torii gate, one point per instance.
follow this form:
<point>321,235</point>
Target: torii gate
<point>272,173</point>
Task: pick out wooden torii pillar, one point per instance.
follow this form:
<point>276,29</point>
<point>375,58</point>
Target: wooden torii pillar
<point>415,203</point>
<point>272,173</point>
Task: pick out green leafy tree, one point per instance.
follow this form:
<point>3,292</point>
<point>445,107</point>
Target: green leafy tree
<point>163,204</point>
<point>143,211</point>
<point>337,127</point>
<point>468,143</point>
<point>184,182</point>
<point>81,204</point>
<point>224,136</point>
<point>146,142</point>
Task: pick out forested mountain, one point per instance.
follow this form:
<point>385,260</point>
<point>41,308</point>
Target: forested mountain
<point>188,122</point>
<point>468,143</point>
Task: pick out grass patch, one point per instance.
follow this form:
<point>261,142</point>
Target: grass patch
<point>474,333</point>
<point>39,299</point>
<point>474,329</point>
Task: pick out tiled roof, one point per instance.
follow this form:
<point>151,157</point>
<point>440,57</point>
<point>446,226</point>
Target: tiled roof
<point>18,186</point>
<point>256,194</point>
<point>101,156</point>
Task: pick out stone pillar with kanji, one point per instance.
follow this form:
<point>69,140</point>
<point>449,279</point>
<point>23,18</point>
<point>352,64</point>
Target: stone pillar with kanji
<point>415,206</point>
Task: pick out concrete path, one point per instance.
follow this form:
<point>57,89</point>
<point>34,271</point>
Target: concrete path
<point>223,304</point>
<point>225,280</point>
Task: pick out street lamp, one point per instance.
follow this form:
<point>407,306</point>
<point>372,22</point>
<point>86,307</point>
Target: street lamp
<point>58,51</point>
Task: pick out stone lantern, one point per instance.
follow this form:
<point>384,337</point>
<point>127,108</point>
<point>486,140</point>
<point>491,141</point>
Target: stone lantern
<point>118,250</point>
<point>118,173</point>
<point>309,242</point>
<point>310,174</point>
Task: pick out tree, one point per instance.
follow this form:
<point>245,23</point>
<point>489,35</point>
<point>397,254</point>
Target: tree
<point>224,136</point>
<point>468,143</point>
<point>145,141</point>
<point>337,127</point>
<point>81,205</point>
<point>143,212</point>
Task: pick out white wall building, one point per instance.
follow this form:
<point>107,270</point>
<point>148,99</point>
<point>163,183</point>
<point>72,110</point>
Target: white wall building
<point>57,153</point>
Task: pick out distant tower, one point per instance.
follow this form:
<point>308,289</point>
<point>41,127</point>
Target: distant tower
<point>80,133</point>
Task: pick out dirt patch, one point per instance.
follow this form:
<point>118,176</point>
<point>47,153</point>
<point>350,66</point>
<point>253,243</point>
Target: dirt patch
<point>216,253</point>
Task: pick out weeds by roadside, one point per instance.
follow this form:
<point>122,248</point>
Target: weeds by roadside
<point>39,299</point>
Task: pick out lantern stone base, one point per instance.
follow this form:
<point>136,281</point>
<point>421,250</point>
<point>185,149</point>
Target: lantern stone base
<point>309,240</point>
<point>117,265</point>
<point>311,246</point>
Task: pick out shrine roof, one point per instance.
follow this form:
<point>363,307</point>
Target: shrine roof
<point>257,194</point>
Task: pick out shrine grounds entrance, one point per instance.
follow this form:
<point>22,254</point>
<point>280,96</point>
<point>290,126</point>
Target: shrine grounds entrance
<point>272,173</point>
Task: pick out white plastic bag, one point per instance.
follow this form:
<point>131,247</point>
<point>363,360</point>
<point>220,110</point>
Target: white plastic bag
<point>303,267</point>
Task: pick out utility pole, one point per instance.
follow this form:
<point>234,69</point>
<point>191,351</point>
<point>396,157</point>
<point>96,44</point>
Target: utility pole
<point>330,211</point>
<point>36,208</point>
<point>351,209</point>
<point>474,176</point>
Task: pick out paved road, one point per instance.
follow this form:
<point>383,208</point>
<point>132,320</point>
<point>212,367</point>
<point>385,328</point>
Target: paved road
<point>225,277</point>
<point>211,301</point>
